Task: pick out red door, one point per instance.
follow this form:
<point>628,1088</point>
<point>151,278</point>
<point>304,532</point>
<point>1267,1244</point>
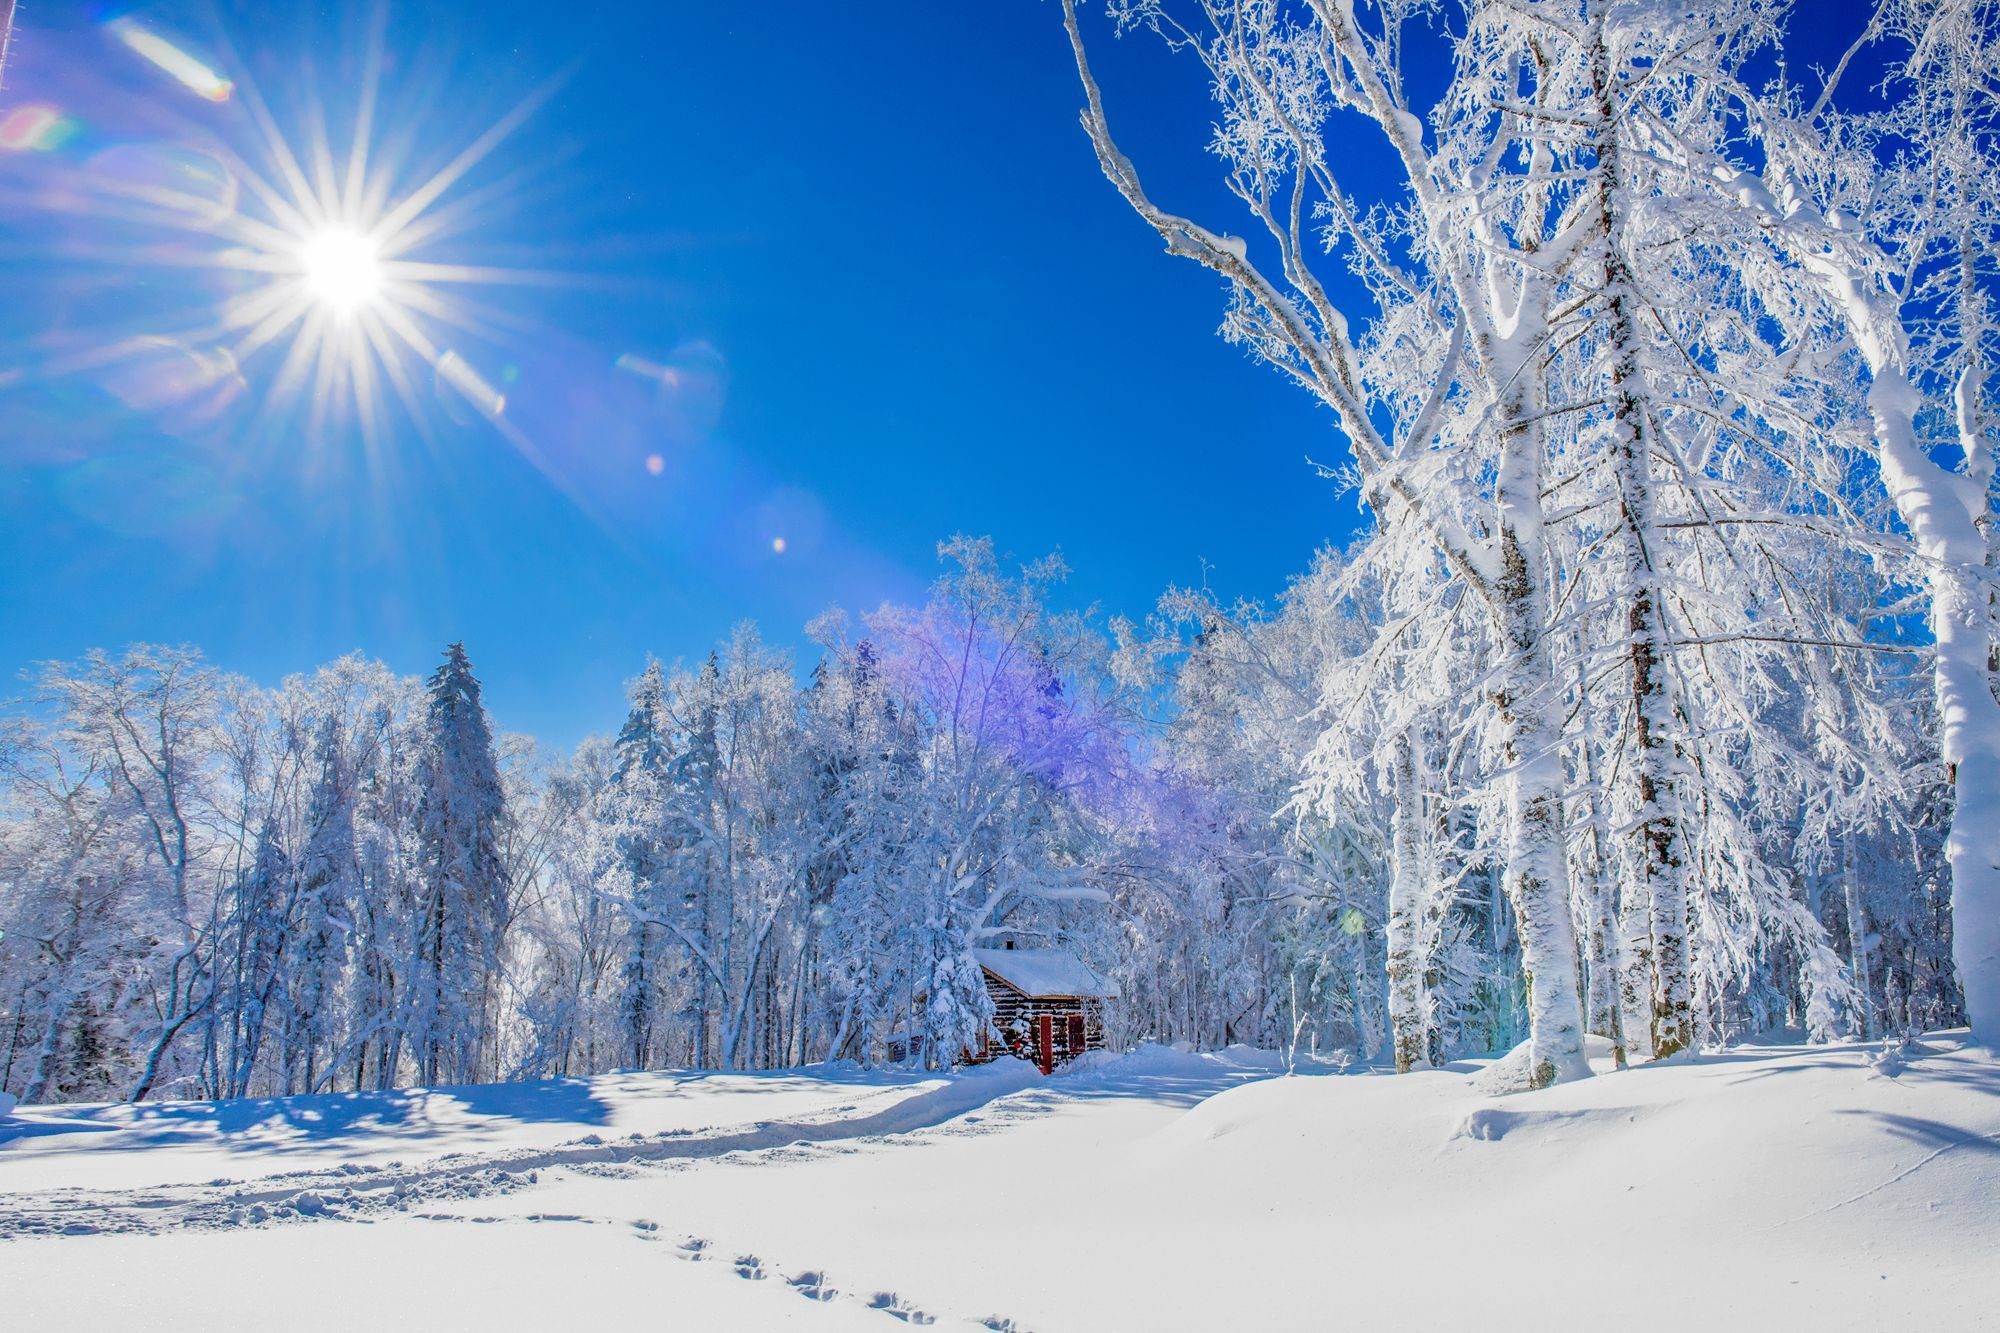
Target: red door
<point>1046,1030</point>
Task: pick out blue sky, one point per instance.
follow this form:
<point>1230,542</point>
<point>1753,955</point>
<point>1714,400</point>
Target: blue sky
<point>869,241</point>
<point>875,233</point>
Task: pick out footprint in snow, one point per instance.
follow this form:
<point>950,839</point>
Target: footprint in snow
<point>888,1302</point>
<point>647,1229</point>
<point>692,1249</point>
<point>1001,1324</point>
<point>812,1286</point>
<point>749,1266</point>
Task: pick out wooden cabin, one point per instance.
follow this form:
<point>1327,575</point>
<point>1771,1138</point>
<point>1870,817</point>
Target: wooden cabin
<point>1048,1006</point>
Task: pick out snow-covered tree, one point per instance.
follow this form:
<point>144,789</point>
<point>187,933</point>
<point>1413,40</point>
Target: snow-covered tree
<point>462,883</point>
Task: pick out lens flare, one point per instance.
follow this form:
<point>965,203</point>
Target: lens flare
<point>171,59</point>
<point>34,128</point>
<point>470,384</point>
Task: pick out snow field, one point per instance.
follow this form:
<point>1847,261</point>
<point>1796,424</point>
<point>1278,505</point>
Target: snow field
<point>1782,1186</point>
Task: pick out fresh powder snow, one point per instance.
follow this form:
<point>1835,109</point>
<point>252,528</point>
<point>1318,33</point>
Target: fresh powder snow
<point>1156,1190</point>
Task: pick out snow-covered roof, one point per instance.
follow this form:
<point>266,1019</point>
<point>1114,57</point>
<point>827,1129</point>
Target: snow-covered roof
<point>1045,972</point>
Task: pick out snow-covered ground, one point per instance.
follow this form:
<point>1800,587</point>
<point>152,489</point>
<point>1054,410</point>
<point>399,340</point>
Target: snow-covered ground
<point>1780,1186</point>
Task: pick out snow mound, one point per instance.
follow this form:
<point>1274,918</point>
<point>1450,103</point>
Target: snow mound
<point>1153,1060</point>
<point>1509,1074</point>
<point>1490,1124</point>
<point>1897,1054</point>
<point>1150,1059</point>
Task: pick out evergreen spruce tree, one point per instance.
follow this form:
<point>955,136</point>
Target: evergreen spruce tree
<point>703,906</point>
<point>462,906</point>
<point>639,813</point>
<point>328,882</point>
<point>264,911</point>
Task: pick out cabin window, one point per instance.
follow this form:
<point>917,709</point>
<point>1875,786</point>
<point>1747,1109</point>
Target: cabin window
<point>1076,1034</point>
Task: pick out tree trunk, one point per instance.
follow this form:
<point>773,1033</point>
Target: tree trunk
<point>1407,1007</point>
<point>1606,1014</point>
<point>1971,749</point>
<point>1658,861</point>
<point>1941,521</point>
<point>1536,877</point>
<point>191,1009</point>
<point>1943,512</point>
<point>1857,943</point>
<point>48,1048</point>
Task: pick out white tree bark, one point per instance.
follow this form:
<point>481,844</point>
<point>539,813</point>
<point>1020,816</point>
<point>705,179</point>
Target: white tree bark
<point>1857,942</point>
<point>1946,514</point>
<point>1408,1010</point>
<point>1537,871</point>
<point>1659,860</point>
<point>1602,1009</point>
<point>1943,511</point>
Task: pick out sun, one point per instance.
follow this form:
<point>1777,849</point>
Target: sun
<point>344,289</point>
<point>326,279</point>
<point>341,268</point>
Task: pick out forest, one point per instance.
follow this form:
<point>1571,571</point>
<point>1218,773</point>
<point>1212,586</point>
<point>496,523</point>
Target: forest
<point>1656,700</point>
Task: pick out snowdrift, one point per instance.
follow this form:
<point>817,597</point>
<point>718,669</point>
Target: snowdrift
<point>1163,1189</point>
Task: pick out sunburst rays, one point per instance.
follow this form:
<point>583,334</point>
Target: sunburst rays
<point>336,293</point>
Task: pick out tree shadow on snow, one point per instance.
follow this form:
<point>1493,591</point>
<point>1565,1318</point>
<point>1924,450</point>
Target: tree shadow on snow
<point>1945,1058</point>
<point>16,1127</point>
<point>275,1125</point>
<point>281,1124</point>
<point>1931,1133</point>
<point>679,1082</point>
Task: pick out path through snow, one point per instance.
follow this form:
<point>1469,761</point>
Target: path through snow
<point>352,1190</point>
<point>1781,1186</point>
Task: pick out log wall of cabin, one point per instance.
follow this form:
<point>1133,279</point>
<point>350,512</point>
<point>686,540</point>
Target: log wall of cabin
<point>1011,1008</point>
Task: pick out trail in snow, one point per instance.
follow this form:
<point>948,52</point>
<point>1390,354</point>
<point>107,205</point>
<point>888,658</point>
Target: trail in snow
<point>353,1191</point>
<point>813,1286</point>
<point>428,1201</point>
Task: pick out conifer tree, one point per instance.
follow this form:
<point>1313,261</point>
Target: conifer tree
<point>462,909</point>
<point>640,814</point>
<point>264,904</point>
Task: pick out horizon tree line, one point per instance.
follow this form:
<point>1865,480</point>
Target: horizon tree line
<point>353,882</point>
